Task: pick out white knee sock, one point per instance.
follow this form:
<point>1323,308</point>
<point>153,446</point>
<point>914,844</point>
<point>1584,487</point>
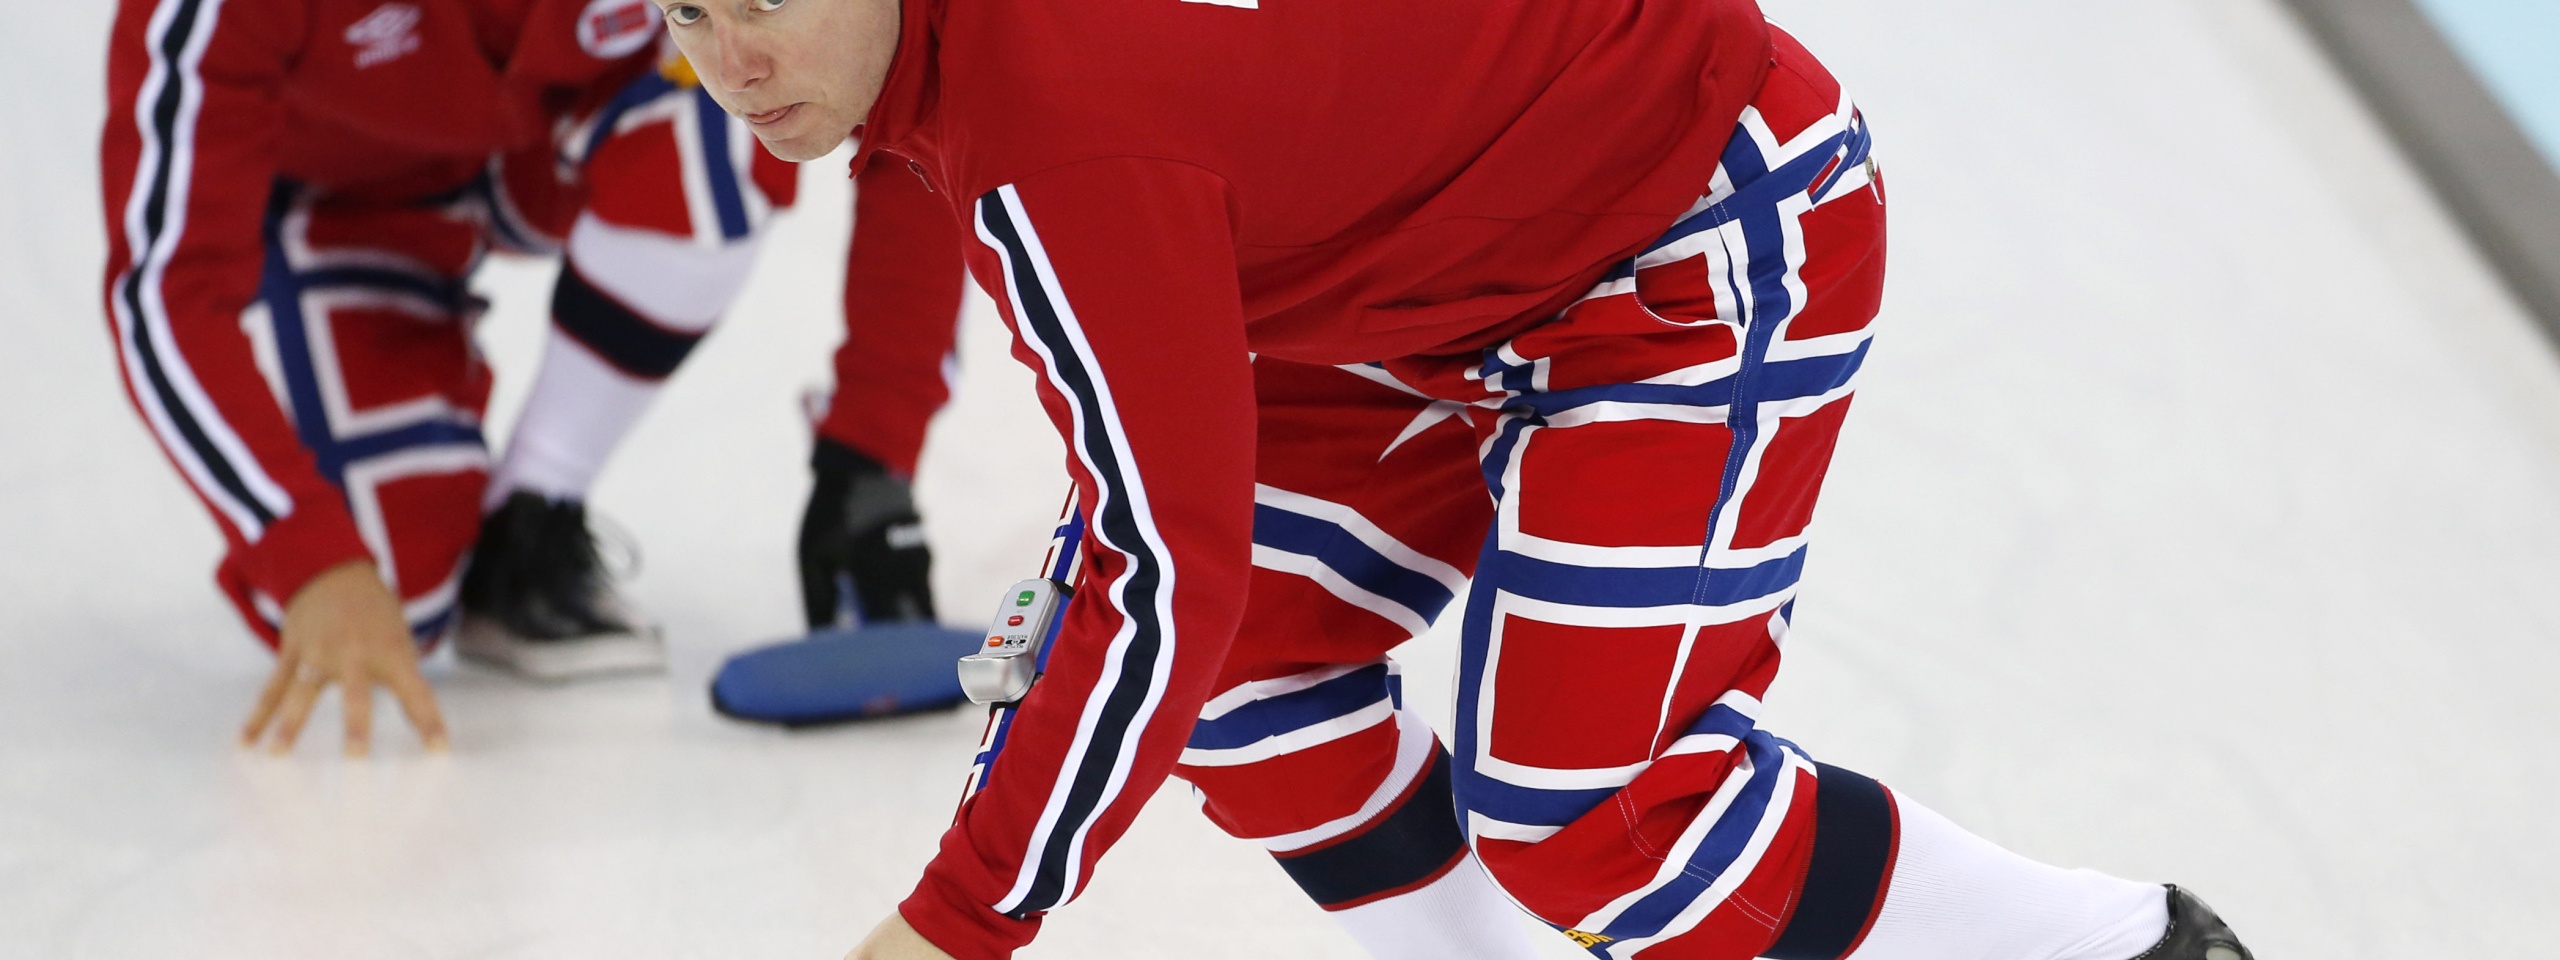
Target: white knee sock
<point>581,406</point>
<point>1956,896</point>
<point>580,409</point>
<point>1460,916</point>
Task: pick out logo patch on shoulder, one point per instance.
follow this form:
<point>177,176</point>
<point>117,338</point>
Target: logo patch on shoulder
<point>388,33</point>
<point>614,29</point>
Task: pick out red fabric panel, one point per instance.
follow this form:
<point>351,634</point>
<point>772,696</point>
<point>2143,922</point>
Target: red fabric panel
<point>636,179</point>
<point>1579,697</point>
<point>1679,475</point>
<point>433,519</point>
<point>1324,783</point>
<point>1791,471</point>
<point>902,286</point>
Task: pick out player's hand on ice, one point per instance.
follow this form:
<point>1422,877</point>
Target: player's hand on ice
<point>894,940</point>
<point>343,628</point>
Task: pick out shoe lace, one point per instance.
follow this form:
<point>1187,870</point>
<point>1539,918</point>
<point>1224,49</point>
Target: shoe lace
<point>611,547</point>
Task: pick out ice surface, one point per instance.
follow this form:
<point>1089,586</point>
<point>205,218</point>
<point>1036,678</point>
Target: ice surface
<point>2200,522</point>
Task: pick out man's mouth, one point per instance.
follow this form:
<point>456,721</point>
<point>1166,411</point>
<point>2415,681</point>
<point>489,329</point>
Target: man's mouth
<point>771,117</point>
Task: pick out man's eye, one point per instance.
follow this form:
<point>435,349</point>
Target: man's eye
<point>683,14</point>
<point>767,6</point>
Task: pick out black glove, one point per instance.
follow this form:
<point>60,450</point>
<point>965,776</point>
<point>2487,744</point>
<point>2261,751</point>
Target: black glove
<point>862,552</point>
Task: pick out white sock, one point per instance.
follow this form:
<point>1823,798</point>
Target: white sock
<point>1956,896</point>
<point>1460,916</point>
<point>580,410</point>
<point>581,406</point>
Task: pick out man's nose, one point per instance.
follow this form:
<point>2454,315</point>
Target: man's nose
<point>742,63</point>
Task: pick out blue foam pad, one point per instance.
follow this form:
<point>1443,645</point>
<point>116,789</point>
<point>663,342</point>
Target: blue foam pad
<point>833,676</point>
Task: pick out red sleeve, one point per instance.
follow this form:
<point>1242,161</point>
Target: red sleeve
<point>901,311</point>
<point>1119,280</point>
<point>187,159</point>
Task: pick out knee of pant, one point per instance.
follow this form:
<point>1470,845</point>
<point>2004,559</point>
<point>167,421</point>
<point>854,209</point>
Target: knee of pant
<point>1414,841</point>
<point>649,178</point>
<point>1552,878</point>
<point>1299,759</point>
<point>677,230</point>
<point>670,281</point>
<point>1304,798</point>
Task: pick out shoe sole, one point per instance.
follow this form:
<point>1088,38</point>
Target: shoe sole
<point>640,650</point>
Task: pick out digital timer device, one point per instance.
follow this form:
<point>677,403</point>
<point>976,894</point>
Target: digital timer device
<point>1002,669</point>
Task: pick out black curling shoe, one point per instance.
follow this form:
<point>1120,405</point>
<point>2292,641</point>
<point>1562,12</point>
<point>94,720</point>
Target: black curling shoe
<point>2195,933</point>
<point>536,599</point>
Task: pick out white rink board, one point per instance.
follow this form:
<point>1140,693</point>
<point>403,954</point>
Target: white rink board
<point>2200,522</point>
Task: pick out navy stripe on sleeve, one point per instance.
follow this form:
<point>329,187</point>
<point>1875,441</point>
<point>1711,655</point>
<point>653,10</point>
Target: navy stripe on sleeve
<point>1127,695</point>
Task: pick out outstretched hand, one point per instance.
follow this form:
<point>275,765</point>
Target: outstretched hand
<point>343,628</point>
<point>894,940</point>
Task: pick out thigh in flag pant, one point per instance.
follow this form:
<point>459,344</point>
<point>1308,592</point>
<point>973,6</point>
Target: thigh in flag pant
<point>368,316</point>
<point>1652,457</point>
<point>1357,479</point>
<point>1308,746</point>
<point>366,340</point>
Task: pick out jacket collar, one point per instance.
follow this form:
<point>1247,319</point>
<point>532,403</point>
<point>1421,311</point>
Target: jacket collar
<point>907,95</point>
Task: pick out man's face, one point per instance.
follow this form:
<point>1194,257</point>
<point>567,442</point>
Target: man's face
<point>802,73</point>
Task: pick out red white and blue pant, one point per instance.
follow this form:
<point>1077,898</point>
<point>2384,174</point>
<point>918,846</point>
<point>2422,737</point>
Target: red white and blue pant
<point>1621,496</point>
<point>654,196</point>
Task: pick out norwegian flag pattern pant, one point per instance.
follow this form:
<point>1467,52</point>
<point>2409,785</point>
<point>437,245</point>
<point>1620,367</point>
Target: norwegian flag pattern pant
<point>365,330</point>
<point>1627,488</point>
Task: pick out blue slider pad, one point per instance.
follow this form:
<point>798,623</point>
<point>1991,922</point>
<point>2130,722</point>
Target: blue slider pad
<point>834,676</point>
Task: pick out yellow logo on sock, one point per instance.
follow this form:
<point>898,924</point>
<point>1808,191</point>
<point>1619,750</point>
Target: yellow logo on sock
<point>1587,940</point>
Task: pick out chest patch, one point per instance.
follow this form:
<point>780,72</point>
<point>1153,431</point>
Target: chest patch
<point>388,33</point>
<point>614,29</point>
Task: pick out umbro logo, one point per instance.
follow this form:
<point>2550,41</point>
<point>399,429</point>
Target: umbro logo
<point>388,33</point>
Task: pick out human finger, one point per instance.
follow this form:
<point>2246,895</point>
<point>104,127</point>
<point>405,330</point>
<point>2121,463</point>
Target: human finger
<point>268,698</point>
<point>355,699</point>
<point>418,703</point>
<point>299,697</point>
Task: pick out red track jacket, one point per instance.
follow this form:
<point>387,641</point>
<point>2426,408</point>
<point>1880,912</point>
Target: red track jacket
<point>1157,189</point>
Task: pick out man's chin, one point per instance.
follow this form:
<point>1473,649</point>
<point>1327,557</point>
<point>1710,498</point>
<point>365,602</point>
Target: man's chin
<point>802,148</point>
